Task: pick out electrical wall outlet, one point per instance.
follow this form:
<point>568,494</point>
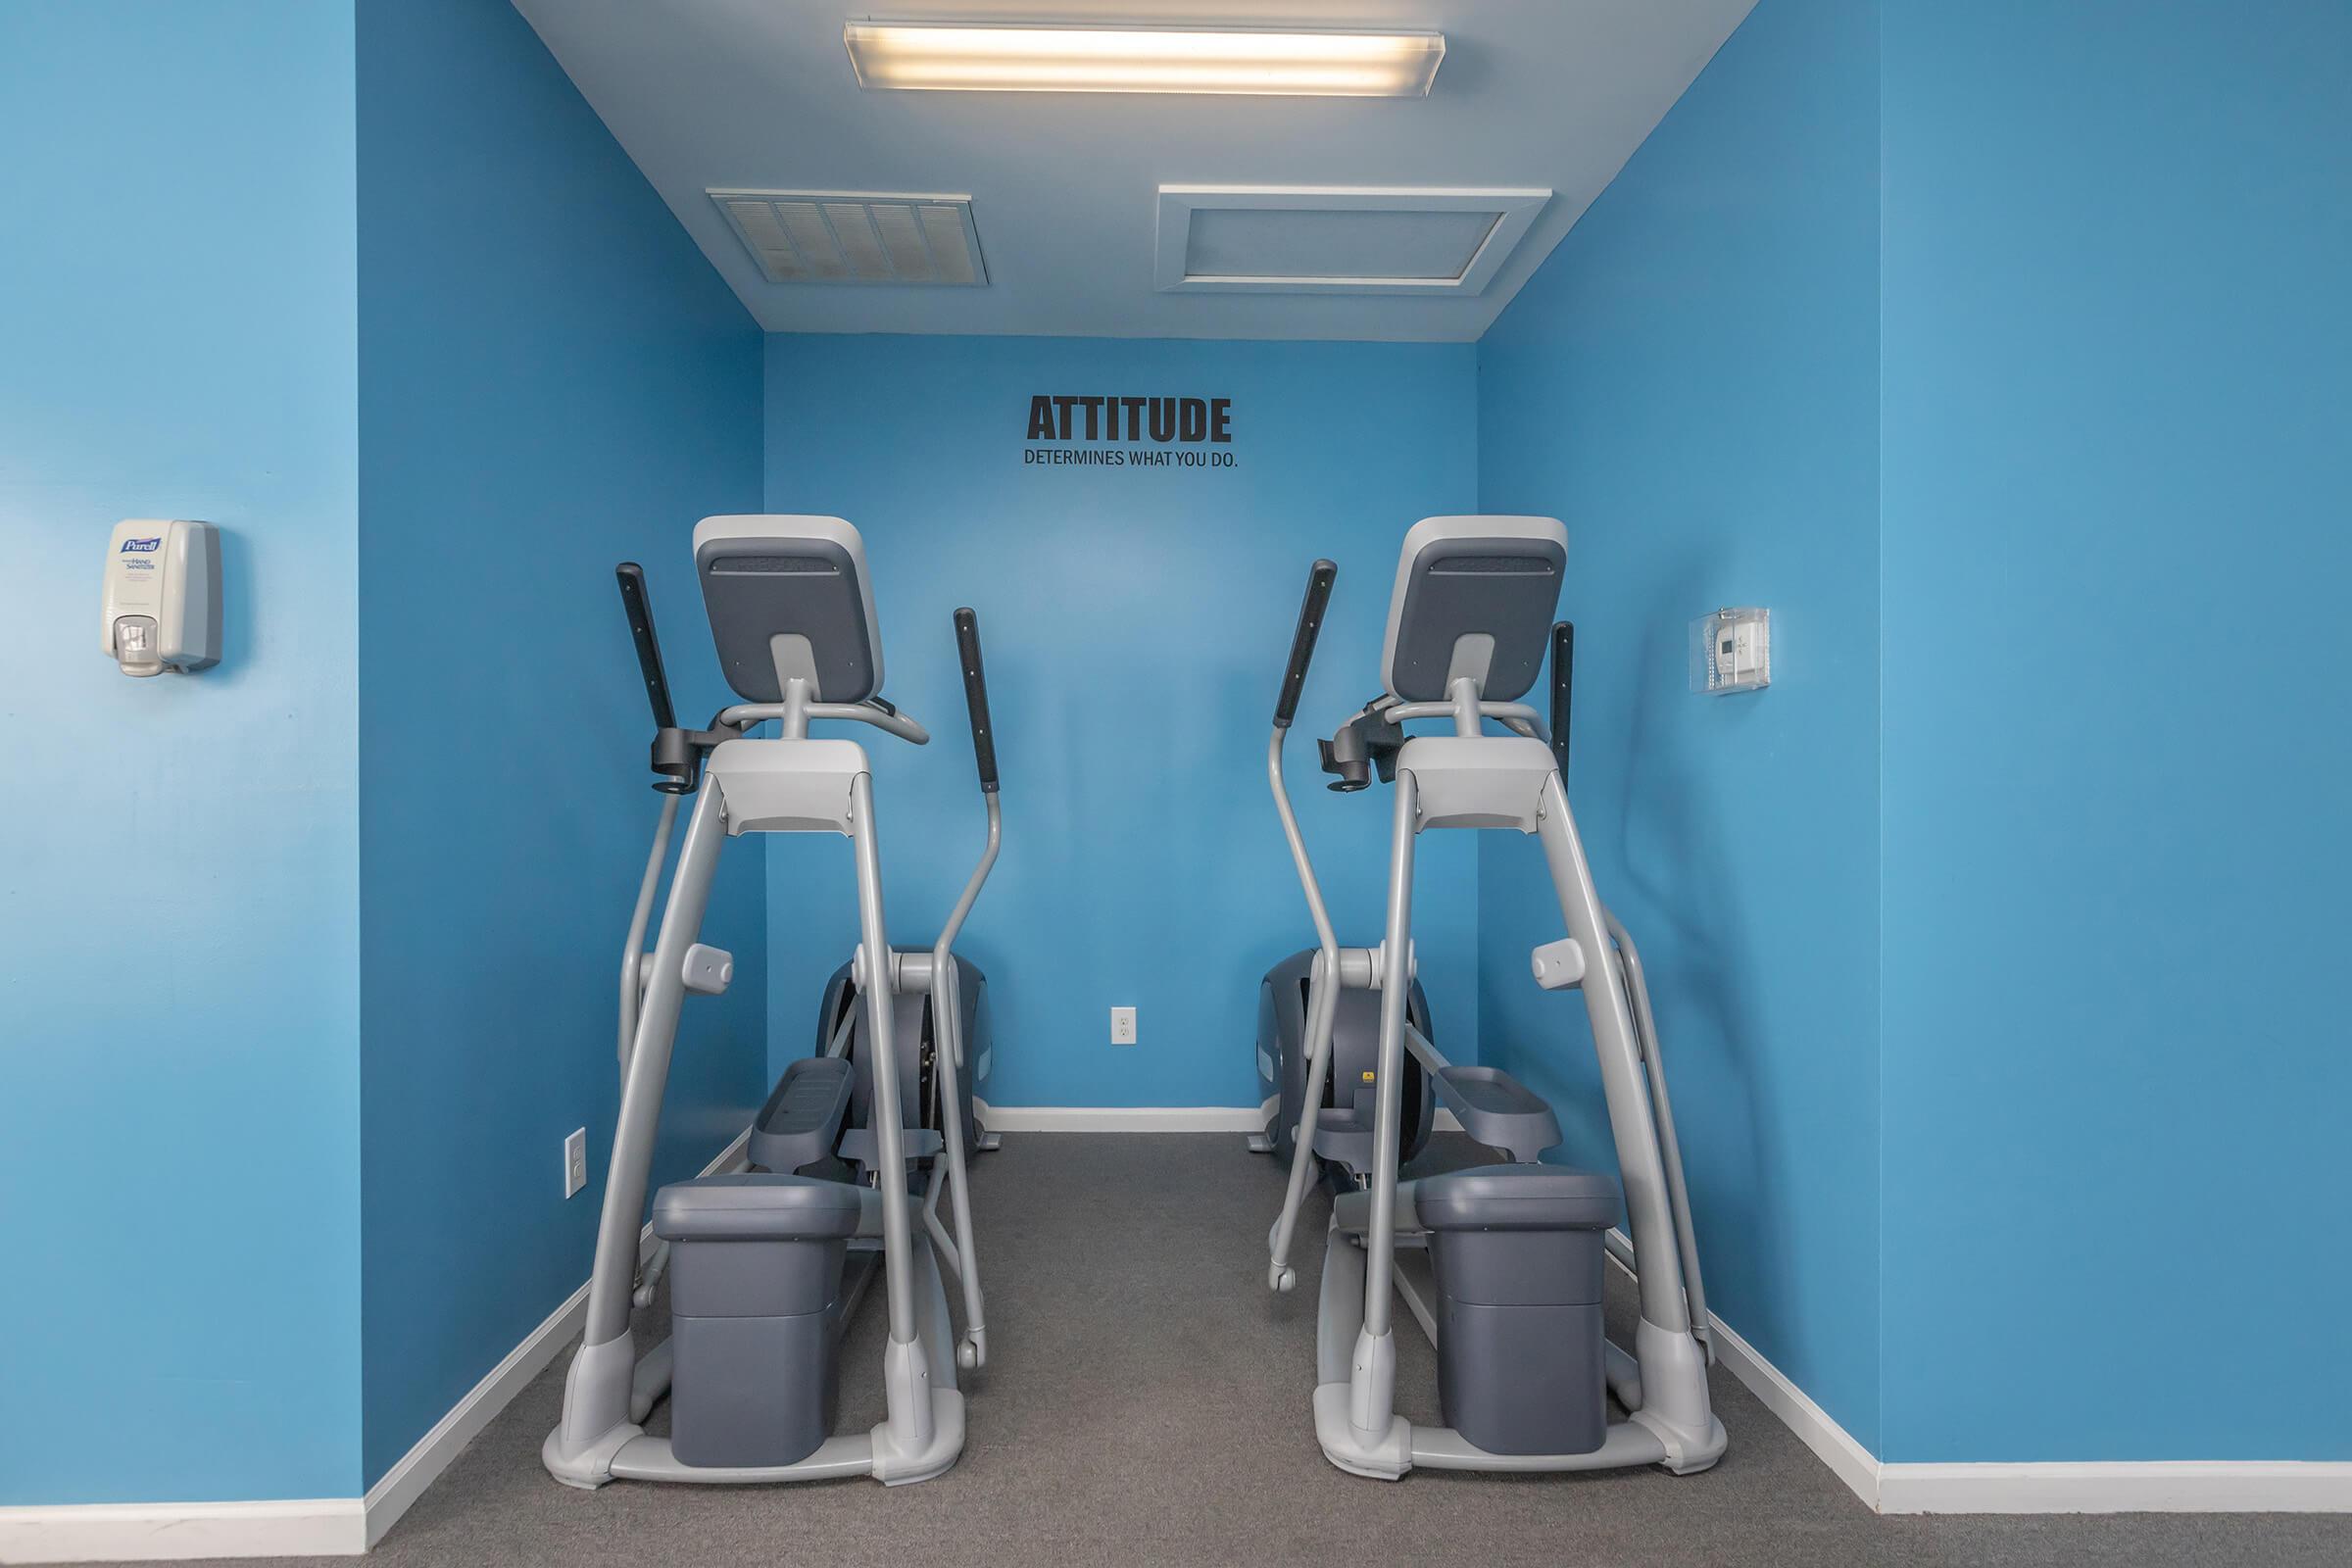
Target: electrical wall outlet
<point>575,1161</point>
<point>1123,1026</point>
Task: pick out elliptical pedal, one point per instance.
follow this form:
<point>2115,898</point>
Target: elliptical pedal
<point>1499,1111</point>
<point>919,1144</point>
<point>801,1121</point>
<point>1342,1138</point>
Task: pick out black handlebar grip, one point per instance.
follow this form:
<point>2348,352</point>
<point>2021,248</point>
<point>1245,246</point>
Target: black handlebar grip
<point>649,648</point>
<point>1563,685</point>
<point>1319,578</point>
<point>975,697</point>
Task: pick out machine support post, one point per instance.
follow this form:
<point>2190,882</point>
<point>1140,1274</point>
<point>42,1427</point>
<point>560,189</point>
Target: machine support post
<point>890,1147</point>
<point>905,1374</point>
<point>1372,1370</point>
<point>1380,1245</point>
<point>1324,980</point>
<point>946,997</point>
<point>1674,1375</point>
<point>1631,1123</point>
<point>1325,938</point>
<point>947,1009</point>
<point>632,955</point>
<point>1463,693</point>
<point>1670,1149</point>
<point>1323,1005</point>
<point>793,724</point>
<point>625,1177</point>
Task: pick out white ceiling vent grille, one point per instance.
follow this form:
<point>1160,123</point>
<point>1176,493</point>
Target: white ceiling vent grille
<point>840,237</point>
<point>1258,239</point>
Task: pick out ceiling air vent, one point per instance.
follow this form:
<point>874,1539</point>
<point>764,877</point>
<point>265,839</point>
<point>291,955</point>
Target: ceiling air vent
<point>838,237</point>
<point>1261,240</point>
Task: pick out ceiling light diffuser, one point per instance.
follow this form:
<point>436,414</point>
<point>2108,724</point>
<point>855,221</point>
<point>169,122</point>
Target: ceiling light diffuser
<point>1285,239</point>
<point>1297,62</point>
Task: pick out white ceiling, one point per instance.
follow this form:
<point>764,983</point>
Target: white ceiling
<point>758,94</point>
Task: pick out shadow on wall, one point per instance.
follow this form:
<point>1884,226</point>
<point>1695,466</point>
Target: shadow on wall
<point>1695,923</point>
<point>237,599</point>
<point>1698,919</point>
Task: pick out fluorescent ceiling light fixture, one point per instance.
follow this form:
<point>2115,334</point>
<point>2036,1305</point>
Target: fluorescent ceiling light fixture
<point>1296,61</point>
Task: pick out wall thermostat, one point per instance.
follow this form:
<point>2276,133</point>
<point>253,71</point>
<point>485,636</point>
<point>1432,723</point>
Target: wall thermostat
<point>1731,651</point>
<point>163,596</point>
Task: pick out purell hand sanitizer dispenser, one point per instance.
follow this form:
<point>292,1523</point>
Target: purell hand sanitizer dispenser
<point>163,597</point>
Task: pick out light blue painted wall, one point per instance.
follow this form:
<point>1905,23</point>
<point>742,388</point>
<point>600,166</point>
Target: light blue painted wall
<point>178,869</point>
<point>2000,1233</point>
<point>2119,381</point>
<point>552,379</point>
<point>1135,622</point>
<point>1691,383</point>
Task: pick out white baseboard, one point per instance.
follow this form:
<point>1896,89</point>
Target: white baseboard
<point>1121,1118</point>
<point>1832,1443</point>
<point>2156,1486</point>
<point>138,1532</point>
<point>1142,1118</point>
<point>423,1463</point>
<point>325,1526</point>
<point>1815,1428</point>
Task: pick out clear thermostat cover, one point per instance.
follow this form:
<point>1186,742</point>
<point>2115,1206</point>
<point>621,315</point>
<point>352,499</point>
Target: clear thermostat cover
<point>1731,651</point>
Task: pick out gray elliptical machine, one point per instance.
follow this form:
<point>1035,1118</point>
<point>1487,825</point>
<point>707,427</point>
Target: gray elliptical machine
<point>766,1266</point>
<point>1501,1264</point>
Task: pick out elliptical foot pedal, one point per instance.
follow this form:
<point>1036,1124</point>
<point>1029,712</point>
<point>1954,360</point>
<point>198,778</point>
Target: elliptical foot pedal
<point>919,1144</point>
<point>1343,1139</point>
<point>802,1118</point>
<point>1499,1111</point>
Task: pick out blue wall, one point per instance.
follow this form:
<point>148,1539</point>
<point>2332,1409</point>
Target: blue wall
<point>178,869</point>
<point>1997,1025</point>
<point>552,379</point>
<point>1691,383</point>
<point>1135,622</point>
<point>2119,381</point>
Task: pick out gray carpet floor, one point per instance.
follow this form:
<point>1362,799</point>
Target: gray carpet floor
<point>1145,1403</point>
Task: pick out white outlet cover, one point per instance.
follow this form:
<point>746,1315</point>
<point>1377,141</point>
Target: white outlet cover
<point>1123,1026</point>
<point>575,1161</point>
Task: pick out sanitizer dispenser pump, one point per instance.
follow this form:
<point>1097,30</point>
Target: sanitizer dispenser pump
<point>163,597</point>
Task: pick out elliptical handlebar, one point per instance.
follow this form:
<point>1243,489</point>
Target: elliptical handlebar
<point>640,611</point>
<point>883,716</point>
<point>677,754</point>
<point>1319,579</point>
<point>947,1007</point>
<point>1324,975</point>
<point>975,697</point>
<point>1563,683</point>
<point>984,753</point>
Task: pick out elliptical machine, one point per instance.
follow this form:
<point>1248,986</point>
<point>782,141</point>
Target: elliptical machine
<point>1501,1264</point>
<point>768,1266</point>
